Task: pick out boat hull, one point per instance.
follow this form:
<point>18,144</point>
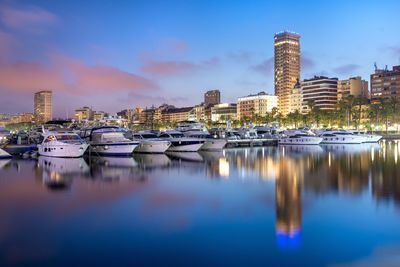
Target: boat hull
<point>185,146</point>
<point>152,147</point>
<point>213,144</point>
<point>62,150</point>
<point>300,141</point>
<point>113,149</point>
<point>343,140</point>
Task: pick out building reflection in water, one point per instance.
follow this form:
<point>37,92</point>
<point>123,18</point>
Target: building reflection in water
<point>295,170</point>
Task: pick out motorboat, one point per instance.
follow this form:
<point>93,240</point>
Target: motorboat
<point>109,141</point>
<point>21,143</point>
<point>340,137</point>
<point>248,133</point>
<point>150,143</point>
<point>62,144</point>
<point>180,143</point>
<point>186,126</point>
<point>210,142</point>
<point>299,138</point>
<point>369,138</point>
<point>4,154</point>
<point>232,134</point>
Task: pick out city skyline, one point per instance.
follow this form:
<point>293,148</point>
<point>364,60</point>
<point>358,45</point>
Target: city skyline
<point>115,57</point>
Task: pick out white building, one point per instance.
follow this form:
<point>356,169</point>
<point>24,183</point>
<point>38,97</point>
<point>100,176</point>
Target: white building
<point>256,105</point>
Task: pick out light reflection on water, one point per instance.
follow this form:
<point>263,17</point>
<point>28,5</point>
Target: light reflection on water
<point>235,207</point>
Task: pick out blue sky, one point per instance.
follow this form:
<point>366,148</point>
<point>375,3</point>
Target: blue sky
<point>113,55</point>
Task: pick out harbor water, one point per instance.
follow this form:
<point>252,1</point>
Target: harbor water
<point>327,205</point>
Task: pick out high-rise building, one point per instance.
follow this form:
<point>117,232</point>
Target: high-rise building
<point>385,84</point>
<point>321,91</point>
<point>255,105</point>
<point>43,106</point>
<point>212,97</point>
<point>354,86</point>
<point>287,66</point>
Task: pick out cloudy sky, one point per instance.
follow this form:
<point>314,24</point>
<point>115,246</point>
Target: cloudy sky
<point>113,55</point>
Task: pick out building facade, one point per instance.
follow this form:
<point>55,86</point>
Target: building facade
<point>287,67</point>
<point>354,86</point>
<point>84,113</point>
<point>255,105</point>
<point>321,91</point>
<point>212,97</point>
<point>43,106</point>
<point>385,84</point>
<point>296,99</point>
<point>224,112</point>
<point>173,115</point>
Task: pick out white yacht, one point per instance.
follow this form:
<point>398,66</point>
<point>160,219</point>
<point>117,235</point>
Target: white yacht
<point>232,134</point>
<point>186,126</point>
<point>4,154</point>
<point>180,143</point>
<point>62,145</point>
<point>340,137</point>
<point>248,133</point>
<point>210,142</point>
<point>299,138</point>
<point>369,138</point>
<point>109,141</point>
<point>150,143</point>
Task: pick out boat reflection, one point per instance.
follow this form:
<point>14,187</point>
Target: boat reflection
<point>58,173</point>
<point>112,169</point>
<point>152,161</point>
<point>4,162</point>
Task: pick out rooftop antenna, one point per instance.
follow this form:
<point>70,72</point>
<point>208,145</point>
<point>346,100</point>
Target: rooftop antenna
<point>376,66</point>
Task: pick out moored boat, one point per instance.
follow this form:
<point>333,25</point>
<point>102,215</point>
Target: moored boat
<point>180,143</point>
<point>109,141</point>
<point>62,144</point>
<point>299,138</point>
<point>150,143</point>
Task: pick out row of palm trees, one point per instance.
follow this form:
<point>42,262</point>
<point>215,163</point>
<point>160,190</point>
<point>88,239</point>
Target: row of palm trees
<point>351,111</point>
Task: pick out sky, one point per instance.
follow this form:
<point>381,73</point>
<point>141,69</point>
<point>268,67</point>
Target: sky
<point>113,55</point>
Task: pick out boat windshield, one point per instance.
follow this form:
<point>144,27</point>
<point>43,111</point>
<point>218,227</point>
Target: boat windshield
<point>148,136</point>
<point>177,135</point>
<point>68,137</point>
<point>107,130</point>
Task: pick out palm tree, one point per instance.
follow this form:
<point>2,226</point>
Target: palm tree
<point>360,101</point>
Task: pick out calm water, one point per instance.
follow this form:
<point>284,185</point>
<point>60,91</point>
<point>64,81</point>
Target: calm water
<point>331,205</point>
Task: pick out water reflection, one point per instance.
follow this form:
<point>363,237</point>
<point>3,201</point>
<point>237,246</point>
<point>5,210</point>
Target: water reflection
<point>180,189</point>
<point>58,173</point>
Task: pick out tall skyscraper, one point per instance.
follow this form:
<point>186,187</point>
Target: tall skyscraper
<point>287,66</point>
<point>43,106</point>
<point>212,97</point>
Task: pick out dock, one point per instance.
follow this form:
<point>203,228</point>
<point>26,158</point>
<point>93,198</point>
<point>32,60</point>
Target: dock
<point>251,142</point>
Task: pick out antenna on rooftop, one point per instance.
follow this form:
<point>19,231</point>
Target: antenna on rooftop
<point>376,66</point>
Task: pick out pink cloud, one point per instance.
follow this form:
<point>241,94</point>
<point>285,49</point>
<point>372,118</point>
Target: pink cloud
<point>178,46</point>
<point>70,76</point>
<point>169,68</point>
<point>31,19</point>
